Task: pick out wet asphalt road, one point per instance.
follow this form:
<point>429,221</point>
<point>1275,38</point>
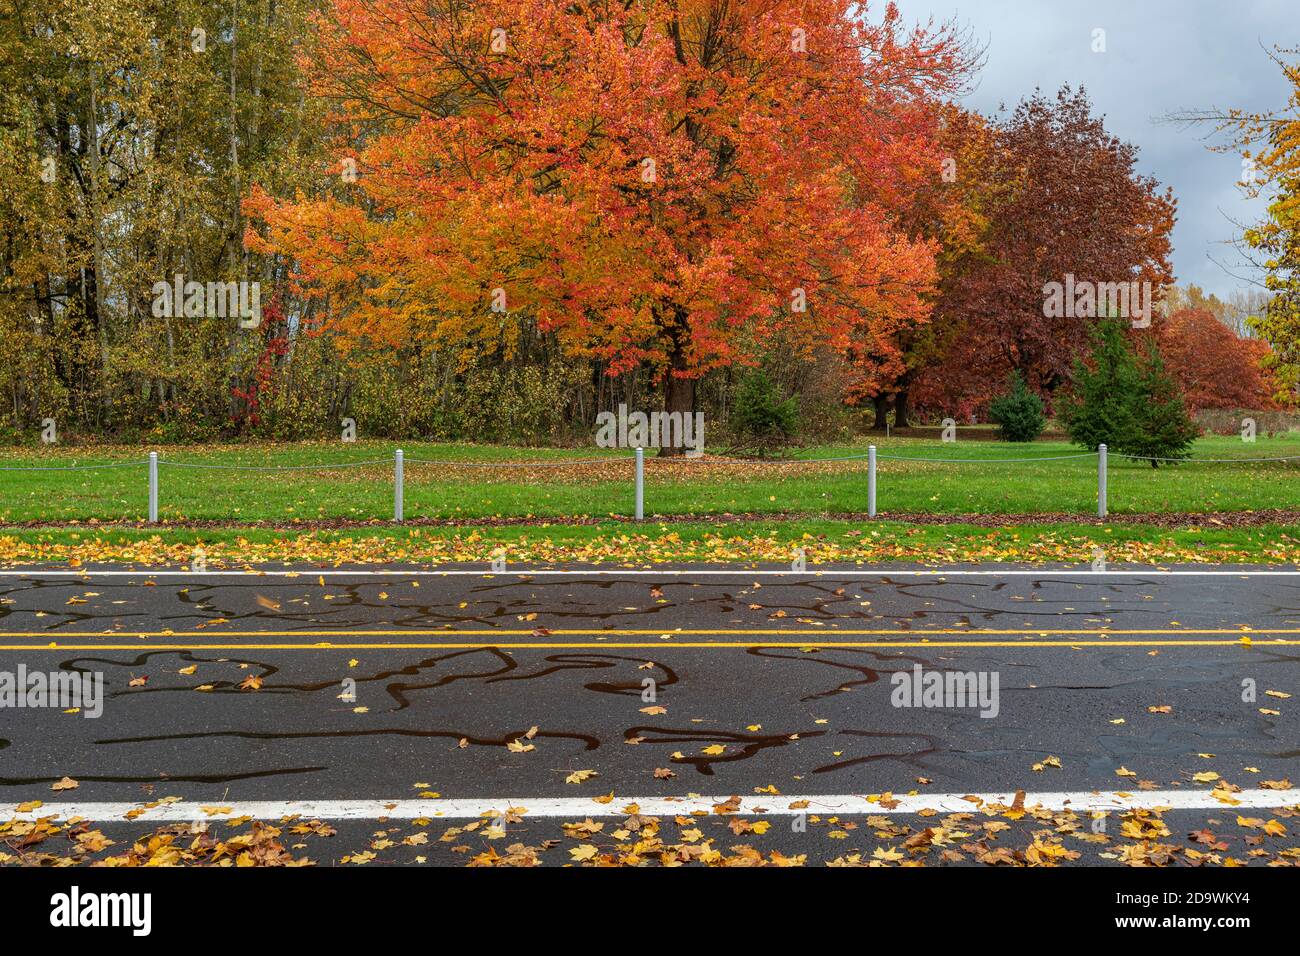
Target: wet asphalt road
<point>768,684</point>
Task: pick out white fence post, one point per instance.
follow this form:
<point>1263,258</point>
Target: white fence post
<point>640,484</point>
<point>153,487</point>
<point>871,481</point>
<point>398,480</point>
<point>1101,481</point>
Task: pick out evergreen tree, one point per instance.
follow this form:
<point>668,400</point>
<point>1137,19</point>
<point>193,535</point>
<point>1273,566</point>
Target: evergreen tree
<point>760,416</point>
<point>1163,429</point>
<point>1099,408</point>
<point>1019,412</point>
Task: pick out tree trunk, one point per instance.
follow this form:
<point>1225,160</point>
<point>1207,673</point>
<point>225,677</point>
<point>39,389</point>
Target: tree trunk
<point>238,268</point>
<point>900,409</point>
<point>679,392</point>
<point>95,305</point>
<point>882,413</point>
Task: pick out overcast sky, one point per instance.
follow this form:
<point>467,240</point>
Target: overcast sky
<point>1162,56</point>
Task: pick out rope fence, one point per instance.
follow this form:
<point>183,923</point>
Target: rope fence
<point>331,467</point>
<point>116,464</point>
<point>986,461</point>
<point>562,463</point>
<point>1206,461</point>
<point>399,460</point>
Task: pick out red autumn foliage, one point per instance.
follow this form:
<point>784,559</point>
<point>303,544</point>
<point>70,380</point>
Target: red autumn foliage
<point>1059,195</point>
<point>1213,365</point>
<point>275,335</point>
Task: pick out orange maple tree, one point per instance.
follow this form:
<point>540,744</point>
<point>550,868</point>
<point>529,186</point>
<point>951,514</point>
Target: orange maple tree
<point>949,203</point>
<point>655,182</point>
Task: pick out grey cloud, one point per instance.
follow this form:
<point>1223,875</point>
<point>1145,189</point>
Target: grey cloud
<point>1162,56</point>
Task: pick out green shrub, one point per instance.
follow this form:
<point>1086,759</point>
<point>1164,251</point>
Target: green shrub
<point>1019,413</point>
<point>759,417</point>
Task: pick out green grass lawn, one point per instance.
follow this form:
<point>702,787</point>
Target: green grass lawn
<point>992,485</point>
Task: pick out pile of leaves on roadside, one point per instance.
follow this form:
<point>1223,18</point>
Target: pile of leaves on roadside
<point>989,834</point>
<point>666,543</point>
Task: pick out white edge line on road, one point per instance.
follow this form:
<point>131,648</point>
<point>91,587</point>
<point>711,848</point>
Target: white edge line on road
<point>638,572</point>
<point>580,807</point>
